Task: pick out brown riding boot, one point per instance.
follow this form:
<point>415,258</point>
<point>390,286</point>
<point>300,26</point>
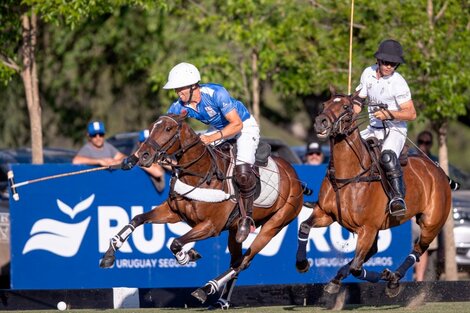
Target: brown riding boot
<point>245,178</point>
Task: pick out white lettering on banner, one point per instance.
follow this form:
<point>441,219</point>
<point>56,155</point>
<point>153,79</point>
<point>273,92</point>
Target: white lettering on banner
<point>338,262</point>
<point>157,240</point>
<point>136,263</point>
<point>317,236</point>
<point>172,263</point>
<point>107,217</point>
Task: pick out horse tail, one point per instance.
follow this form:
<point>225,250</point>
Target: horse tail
<point>307,191</point>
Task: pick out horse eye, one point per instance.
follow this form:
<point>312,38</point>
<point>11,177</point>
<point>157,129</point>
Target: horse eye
<point>168,129</point>
<point>345,106</point>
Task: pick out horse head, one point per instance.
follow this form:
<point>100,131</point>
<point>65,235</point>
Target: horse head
<point>165,139</point>
<point>337,116</point>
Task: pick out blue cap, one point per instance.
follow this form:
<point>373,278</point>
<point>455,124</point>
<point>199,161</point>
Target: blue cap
<point>96,127</point>
<point>143,134</point>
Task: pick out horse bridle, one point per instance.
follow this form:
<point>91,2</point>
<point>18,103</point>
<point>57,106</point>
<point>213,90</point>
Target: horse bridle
<point>161,150</point>
<point>339,122</point>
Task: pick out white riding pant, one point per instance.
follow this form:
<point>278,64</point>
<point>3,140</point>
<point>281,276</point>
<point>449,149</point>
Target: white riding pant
<point>395,140</point>
<point>247,141</point>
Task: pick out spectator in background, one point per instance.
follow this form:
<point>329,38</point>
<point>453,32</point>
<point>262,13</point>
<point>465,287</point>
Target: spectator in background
<point>425,141</point>
<point>156,171</point>
<point>314,154</point>
<point>97,151</point>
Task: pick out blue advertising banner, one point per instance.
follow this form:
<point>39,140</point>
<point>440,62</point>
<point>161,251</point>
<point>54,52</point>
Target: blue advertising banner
<point>60,229</point>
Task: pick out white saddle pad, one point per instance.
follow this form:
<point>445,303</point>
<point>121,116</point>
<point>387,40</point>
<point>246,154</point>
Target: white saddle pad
<point>269,176</point>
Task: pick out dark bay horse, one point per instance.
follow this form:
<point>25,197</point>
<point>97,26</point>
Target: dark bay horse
<point>201,171</point>
<point>352,195</point>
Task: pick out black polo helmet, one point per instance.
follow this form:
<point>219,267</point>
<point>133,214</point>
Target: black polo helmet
<point>391,51</point>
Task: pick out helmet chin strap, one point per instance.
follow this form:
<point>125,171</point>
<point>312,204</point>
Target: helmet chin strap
<point>191,90</point>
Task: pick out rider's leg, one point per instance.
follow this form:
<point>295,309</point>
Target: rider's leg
<point>245,179</point>
<point>391,165</point>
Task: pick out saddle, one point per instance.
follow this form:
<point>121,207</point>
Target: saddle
<point>265,168</point>
<point>374,146</point>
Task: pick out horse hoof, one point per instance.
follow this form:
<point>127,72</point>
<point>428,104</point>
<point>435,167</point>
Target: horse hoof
<point>393,289</point>
<point>221,304</point>
<point>332,287</point>
<point>302,266</point>
<point>193,255</point>
<point>200,295</point>
<point>107,262</point>
<point>386,275</point>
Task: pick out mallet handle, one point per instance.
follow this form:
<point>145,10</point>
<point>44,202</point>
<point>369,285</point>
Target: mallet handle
<point>60,175</point>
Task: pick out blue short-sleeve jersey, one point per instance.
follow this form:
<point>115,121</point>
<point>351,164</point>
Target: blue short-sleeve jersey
<point>215,103</point>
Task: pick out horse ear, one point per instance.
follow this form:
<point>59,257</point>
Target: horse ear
<point>332,90</point>
<point>355,93</point>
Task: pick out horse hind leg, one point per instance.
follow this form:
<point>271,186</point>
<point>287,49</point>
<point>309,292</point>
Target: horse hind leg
<point>426,237</point>
<point>224,301</point>
<point>214,285</point>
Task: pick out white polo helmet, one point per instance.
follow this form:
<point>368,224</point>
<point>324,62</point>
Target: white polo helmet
<point>181,75</point>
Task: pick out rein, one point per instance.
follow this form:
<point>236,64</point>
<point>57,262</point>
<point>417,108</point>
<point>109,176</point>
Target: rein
<point>183,168</point>
<point>340,130</point>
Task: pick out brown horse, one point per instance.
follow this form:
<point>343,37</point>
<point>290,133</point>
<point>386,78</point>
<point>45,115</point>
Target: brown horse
<point>201,171</point>
<point>352,195</point>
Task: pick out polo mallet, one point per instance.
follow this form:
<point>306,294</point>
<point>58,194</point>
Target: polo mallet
<point>14,185</point>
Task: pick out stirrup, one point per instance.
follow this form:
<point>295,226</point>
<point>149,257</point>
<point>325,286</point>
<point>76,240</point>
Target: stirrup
<point>397,207</point>
<point>243,232</point>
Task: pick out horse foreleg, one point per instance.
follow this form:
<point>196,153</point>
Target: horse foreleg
<point>160,214</point>
<point>364,251</point>
<point>199,232</point>
<point>318,218</point>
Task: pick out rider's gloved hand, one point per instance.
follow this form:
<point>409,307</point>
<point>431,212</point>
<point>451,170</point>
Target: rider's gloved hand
<point>129,162</point>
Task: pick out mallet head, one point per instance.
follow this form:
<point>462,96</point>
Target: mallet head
<point>11,181</point>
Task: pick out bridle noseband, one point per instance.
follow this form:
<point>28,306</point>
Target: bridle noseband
<point>340,125</point>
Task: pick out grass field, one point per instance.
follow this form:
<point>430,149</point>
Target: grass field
<point>432,307</point>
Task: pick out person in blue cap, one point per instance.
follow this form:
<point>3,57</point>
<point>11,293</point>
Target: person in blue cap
<point>97,151</point>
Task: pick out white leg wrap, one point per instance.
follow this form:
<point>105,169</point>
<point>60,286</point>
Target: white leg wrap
<point>182,257</point>
<point>214,287</point>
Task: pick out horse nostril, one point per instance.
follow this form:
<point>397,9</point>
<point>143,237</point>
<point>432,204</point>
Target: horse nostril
<point>324,123</point>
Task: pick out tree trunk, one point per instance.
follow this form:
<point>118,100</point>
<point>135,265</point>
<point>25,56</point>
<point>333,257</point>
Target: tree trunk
<point>450,269</point>
<point>31,86</point>
<point>255,85</point>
